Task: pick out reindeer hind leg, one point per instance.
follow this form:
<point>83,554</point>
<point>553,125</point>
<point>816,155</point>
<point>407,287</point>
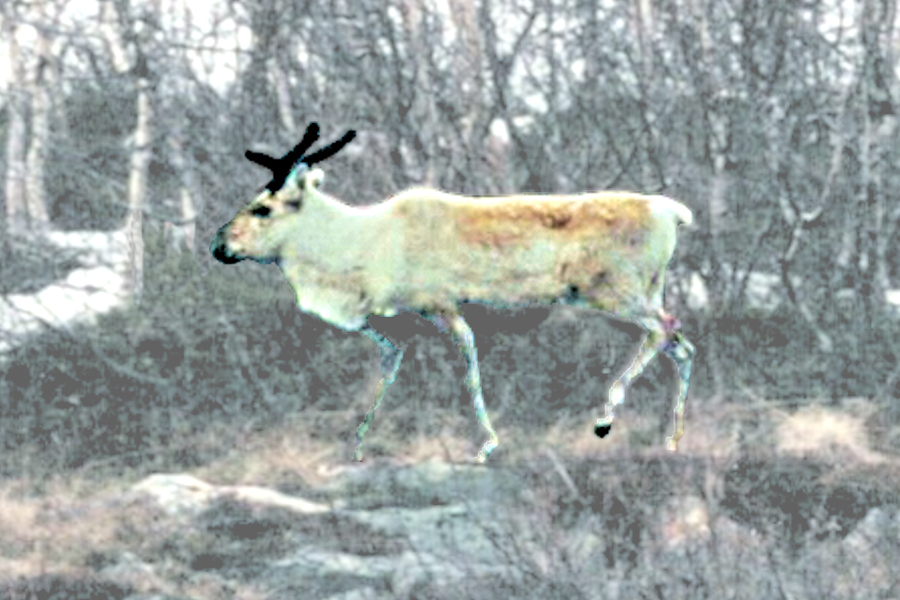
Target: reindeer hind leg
<point>655,341</point>
<point>681,351</point>
<point>663,336</point>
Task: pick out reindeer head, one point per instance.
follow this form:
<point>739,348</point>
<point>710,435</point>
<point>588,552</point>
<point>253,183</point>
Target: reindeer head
<point>259,229</point>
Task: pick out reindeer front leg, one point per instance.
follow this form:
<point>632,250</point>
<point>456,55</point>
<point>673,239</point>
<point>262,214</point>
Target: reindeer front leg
<point>391,356</point>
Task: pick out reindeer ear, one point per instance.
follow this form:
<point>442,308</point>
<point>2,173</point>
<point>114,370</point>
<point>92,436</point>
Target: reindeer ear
<point>313,179</point>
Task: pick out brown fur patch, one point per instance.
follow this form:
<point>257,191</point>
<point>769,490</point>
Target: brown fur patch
<point>499,222</point>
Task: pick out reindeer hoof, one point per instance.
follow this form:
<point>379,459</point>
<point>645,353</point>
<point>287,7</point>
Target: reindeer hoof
<point>602,429</point>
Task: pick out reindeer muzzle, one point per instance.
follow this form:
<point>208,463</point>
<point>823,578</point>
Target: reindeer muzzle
<point>219,249</point>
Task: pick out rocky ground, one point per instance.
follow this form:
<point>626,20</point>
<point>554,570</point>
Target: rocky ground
<point>816,515</point>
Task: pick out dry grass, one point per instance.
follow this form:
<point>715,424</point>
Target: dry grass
<point>286,451</point>
<point>835,435</point>
<point>56,533</point>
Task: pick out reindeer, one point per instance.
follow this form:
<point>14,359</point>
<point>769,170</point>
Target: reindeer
<point>428,251</point>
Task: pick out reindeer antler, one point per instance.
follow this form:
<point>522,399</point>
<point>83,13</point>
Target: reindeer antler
<point>282,167</point>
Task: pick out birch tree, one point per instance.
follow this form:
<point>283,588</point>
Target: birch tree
<point>17,218</point>
<point>130,58</point>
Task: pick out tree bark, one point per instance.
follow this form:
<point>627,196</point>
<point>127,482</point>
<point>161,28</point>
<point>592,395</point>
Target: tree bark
<point>36,195</point>
<point>142,151</point>
<point>16,200</point>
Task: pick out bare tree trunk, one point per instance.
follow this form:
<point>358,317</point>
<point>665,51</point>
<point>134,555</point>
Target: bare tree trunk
<point>425,138</point>
<point>868,232</point>
<point>188,207</point>
<point>181,235</point>
<point>717,206</point>
<point>468,70</point>
<point>256,103</point>
<point>880,63</point>
<point>889,217</point>
<point>643,21</point>
<point>285,47</point>
<point>644,26</point>
<point>143,137</point>
<point>499,68</point>
<point>864,188</point>
<point>797,217</point>
<point>283,93</point>
<point>137,184</point>
<point>717,209</point>
<point>36,195</point>
<point>16,200</point>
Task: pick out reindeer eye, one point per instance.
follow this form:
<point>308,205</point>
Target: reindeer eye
<point>294,204</point>
<point>261,211</point>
